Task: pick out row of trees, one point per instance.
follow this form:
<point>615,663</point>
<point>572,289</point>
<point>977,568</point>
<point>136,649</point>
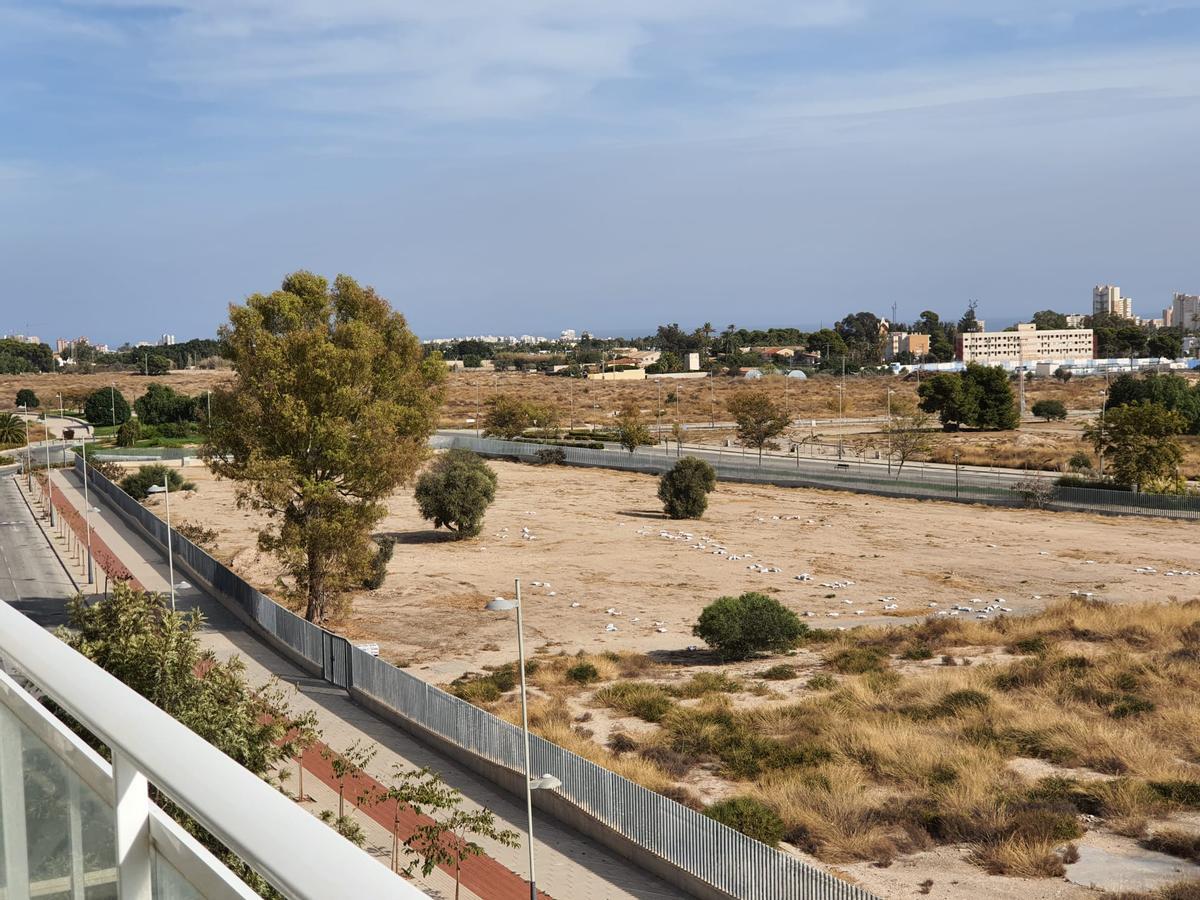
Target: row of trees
<point>134,636</point>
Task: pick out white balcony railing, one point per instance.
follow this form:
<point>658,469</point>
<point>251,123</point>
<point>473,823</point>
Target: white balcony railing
<point>74,827</point>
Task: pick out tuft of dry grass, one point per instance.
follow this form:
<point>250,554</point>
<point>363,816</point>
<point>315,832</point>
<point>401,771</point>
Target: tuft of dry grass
<point>1019,858</point>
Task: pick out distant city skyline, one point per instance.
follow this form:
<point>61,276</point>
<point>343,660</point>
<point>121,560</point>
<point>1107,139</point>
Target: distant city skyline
<point>511,166</point>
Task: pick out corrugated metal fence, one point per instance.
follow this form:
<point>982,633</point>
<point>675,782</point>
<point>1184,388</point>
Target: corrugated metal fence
<point>691,842</point>
<point>915,482</point>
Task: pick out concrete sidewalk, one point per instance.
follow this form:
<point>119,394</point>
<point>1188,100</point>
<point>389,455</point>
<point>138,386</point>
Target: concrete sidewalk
<point>569,865</point>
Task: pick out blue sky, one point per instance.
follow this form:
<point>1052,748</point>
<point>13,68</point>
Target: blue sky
<point>532,165</point>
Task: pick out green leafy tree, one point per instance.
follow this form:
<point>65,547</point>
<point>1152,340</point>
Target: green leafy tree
<point>1165,343</point>
<point>979,397</point>
<point>1169,391</point>
<point>510,417</point>
<point>684,489</point>
<point>760,419</point>
<point>106,406</point>
<point>908,436</point>
<point>449,838</point>
<point>162,404</point>
<point>1139,443</point>
<point>1049,320</point>
<point>12,429</point>
<point>828,343</point>
<point>969,322</point>
<point>456,491</point>
<point>863,334</point>
<point>331,410</point>
<point>739,627</point>
<point>134,636</point>
<point>1050,409</point>
<point>156,364</point>
<point>27,398</point>
<point>348,768</point>
<point>137,484</point>
<point>631,430</point>
<point>1063,374</point>
<point>129,433</point>
<point>941,346</point>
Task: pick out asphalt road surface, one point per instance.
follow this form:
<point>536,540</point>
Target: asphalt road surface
<point>31,578</point>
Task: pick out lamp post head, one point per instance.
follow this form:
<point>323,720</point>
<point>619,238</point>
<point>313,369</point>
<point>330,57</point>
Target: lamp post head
<point>156,489</point>
<point>500,605</point>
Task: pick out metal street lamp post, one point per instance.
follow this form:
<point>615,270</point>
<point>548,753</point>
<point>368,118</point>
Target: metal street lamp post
<point>28,450</point>
<point>545,782</point>
<point>87,515</point>
<point>165,489</point>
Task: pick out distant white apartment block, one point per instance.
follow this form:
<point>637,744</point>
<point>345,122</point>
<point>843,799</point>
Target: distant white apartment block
<point>1027,344</point>
<point>1185,311</point>
<point>1076,320</point>
<point>568,334</point>
<point>166,340</point>
<point>1107,300</point>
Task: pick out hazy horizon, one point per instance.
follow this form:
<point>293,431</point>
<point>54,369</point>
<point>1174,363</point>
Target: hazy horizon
<point>529,167</point>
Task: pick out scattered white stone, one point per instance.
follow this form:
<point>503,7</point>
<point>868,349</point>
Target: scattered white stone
<point>610,627</point>
<point>576,605</point>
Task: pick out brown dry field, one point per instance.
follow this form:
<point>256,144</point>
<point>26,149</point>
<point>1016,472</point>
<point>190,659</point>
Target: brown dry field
<point>76,388</point>
<point>597,539</point>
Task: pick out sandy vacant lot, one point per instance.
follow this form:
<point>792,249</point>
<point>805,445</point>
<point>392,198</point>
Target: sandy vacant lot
<point>602,543</point>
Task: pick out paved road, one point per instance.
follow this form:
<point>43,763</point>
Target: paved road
<point>32,579</point>
<point>570,866</point>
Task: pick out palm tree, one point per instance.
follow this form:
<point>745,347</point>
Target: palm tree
<point>12,429</point>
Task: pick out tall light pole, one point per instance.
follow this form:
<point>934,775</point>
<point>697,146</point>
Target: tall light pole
<point>112,398</point>
<point>165,489</point>
<point>208,397</point>
<point>891,447</point>
<point>658,409</point>
<point>87,514</point>
<point>28,450</point>
<point>49,483</point>
<point>546,782</point>
<point>712,399</point>
<point>1100,449</point>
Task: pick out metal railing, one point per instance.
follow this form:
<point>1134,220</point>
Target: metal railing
<point>689,842</point>
<point>915,482</point>
<point>71,822</point>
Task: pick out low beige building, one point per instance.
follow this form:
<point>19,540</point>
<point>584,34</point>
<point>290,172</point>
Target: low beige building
<point>1026,344</point>
<point>906,342</point>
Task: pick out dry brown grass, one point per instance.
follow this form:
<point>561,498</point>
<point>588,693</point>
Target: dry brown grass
<point>890,761</point>
<point>76,388</point>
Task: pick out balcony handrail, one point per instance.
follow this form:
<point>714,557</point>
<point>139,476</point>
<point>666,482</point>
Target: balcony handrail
<point>295,852</point>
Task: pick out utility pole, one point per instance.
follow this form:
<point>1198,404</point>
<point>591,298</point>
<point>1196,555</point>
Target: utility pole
<point>712,386</point>
<point>1021,371</point>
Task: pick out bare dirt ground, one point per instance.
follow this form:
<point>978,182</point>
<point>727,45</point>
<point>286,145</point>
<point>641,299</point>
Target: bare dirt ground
<point>597,541</point>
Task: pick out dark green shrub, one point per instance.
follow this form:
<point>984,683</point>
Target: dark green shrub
<point>550,456</point>
<point>1035,644</point>
<point>582,673</point>
<point>106,406</point>
<point>1128,705</point>
<point>822,682</point>
<point>1080,461</point>
<point>384,547</point>
<point>706,683</point>
<point>684,489</point>
<point>1049,409</point>
<point>739,627</point>
<point>1183,791</point>
<point>967,698</point>
<point>161,405</point>
<point>129,433</point>
<point>781,672</point>
<point>917,652</point>
<point>27,398</point>
<point>456,491</point>
<point>637,698</point>
<point>751,817</point>
<point>857,660</point>
<point>137,484</point>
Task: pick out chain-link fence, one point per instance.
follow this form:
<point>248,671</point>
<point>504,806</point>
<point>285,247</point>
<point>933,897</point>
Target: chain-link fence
<point>918,482</point>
